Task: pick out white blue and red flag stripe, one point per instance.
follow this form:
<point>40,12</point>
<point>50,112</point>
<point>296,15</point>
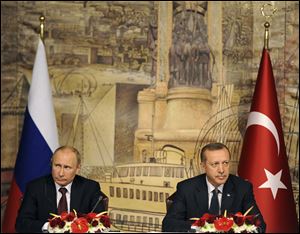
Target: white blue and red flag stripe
<point>39,138</point>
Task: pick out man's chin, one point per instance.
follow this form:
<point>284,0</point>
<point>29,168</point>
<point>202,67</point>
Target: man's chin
<point>61,182</point>
<point>221,180</point>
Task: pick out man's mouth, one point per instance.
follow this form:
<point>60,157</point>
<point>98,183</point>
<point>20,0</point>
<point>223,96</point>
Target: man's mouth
<point>61,179</point>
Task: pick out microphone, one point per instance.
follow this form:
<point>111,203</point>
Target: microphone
<point>99,200</point>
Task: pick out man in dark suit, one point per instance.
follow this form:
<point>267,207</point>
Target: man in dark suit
<point>43,196</point>
<point>195,196</point>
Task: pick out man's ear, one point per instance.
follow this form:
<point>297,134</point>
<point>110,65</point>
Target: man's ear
<point>78,168</point>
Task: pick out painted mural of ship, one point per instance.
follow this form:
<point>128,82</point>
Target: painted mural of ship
<point>138,191</point>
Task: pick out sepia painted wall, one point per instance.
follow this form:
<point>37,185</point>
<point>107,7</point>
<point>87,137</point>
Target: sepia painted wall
<point>112,66</point>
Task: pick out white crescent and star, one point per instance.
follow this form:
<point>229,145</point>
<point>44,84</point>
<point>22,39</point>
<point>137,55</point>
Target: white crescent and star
<point>258,118</point>
<point>273,180</point>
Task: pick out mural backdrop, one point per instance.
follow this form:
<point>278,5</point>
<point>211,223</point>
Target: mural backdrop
<point>140,87</point>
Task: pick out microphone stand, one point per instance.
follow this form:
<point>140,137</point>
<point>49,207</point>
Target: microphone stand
<point>97,203</point>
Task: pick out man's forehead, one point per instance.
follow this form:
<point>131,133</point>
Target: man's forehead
<point>64,155</point>
<point>217,153</point>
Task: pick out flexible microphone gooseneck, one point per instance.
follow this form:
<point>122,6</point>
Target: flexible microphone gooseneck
<point>99,200</point>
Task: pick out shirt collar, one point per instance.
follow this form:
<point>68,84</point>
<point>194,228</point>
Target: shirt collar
<point>210,187</point>
<point>68,187</point>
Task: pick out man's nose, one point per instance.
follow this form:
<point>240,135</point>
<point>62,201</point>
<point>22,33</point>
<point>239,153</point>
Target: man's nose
<point>61,171</point>
<point>221,168</point>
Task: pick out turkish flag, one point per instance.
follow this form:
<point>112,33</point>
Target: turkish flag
<point>263,158</point>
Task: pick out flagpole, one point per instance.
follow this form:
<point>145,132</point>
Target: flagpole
<point>267,24</point>
<point>39,138</point>
<point>266,38</point>
<point>42,25</point>
<point>263,159</point>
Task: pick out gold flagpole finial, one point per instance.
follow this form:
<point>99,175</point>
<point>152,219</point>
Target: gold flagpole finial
<point>267,35</point>
<point>42,25</point>
<point>267,24</point>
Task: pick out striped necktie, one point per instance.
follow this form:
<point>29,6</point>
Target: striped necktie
<point>62,205</point>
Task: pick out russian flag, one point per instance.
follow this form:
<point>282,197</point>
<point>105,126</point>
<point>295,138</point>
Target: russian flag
<point>38,141</point>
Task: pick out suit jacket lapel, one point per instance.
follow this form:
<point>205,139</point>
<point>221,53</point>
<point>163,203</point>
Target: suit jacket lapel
<point>202,195</point>
<point>76,194</point>
<point>50,194</point>
<point>228,196</point>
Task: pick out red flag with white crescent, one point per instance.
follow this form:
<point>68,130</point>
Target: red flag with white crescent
<point>263,158</point>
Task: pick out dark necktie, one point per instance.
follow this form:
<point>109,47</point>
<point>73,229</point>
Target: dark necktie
<point>214,204</point>
<point>62,205</point>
